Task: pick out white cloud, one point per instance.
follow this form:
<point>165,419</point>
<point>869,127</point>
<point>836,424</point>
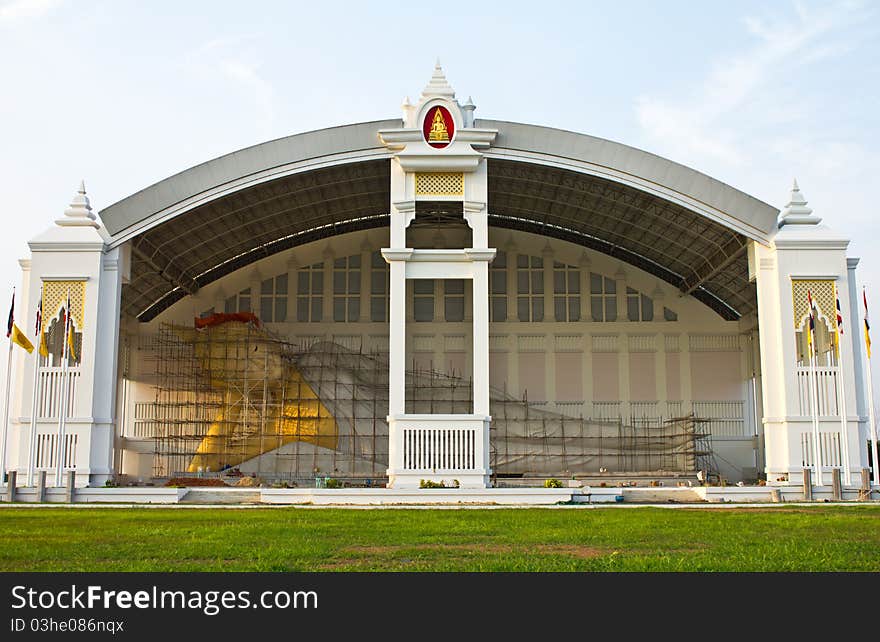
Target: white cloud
<point>259,89</point>
<point>707,122</point>
<point>23,9</point>
<point>230,58</point>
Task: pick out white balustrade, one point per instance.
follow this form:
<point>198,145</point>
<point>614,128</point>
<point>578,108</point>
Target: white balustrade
<point>439,449</point>
<point>51,389</point>
<point>823,387</point>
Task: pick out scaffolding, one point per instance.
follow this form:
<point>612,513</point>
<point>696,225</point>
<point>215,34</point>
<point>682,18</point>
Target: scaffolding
<point>236,396</point>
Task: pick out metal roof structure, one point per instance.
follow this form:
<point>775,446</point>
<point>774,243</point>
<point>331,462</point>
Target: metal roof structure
<point>208,221</point>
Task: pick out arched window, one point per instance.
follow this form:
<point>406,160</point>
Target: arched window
<point>347,288</point>
<point>273,299</point>
<point>379,287</point>
<point>638,306</point>
<point>529,288</point>
<point>566,292</point>
<point>240,302</point>
<point>310,293</point>
<point>498,288</point>
<point>453,299</point>
<point>423,300</point>
<point>603,298</point>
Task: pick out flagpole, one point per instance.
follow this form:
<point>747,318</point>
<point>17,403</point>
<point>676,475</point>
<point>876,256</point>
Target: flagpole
<point>6,411</point>
<point>35,394</point>
<point>871,420</point>
<point>817,444</point>
<point>847,473</point>
<point>62,412</point>
<point>814,386</point>
<point>32,446</point>
<point>873,424</point>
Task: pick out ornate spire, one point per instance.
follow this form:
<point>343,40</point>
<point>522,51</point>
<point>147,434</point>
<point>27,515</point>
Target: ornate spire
<point>79,212</point>
<point>797,212</point>
<point>468,112</point>
<point>438,87</point>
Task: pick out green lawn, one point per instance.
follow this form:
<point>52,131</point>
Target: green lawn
<point>295,539</point>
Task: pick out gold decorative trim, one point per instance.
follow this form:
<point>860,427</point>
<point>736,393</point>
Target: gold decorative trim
<point>55,296</point>
<point>822,291</point>
<point>440,184</point>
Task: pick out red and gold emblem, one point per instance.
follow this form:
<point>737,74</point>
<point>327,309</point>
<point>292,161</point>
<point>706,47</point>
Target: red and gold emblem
<point>438,127</point>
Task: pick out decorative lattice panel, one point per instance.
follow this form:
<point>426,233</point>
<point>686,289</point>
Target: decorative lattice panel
<point>439,184</point>
<point>822,291</point>
<point>55,296</point>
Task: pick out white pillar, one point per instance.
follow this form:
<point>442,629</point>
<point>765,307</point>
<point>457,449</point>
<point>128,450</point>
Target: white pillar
<point>397,338</point>
<point>481,337</point>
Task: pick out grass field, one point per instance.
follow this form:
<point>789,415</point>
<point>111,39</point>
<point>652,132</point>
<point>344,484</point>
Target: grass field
<point>291,539</point>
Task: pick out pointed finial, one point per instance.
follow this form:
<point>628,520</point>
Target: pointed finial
<point>468,112</point>
<point>438,85</point>
<point>79,212</point>
<point>797,212</point>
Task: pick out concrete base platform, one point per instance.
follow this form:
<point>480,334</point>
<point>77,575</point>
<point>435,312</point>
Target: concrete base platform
<point>132,495</point>
<point>521,496</point>
<point>389,496</point>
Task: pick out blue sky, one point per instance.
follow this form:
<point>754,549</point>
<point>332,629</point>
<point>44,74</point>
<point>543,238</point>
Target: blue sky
<point>124,93</point>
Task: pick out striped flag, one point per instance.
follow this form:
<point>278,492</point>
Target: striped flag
<point>839,333</point>
<point>11,320</point>
<point>38,330</point>
<point>867,324</point>
<point>39,324</point>
<point>13,333</point>
<point>812,327</point>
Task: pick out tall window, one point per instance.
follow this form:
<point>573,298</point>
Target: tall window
<point>638,306</point>
<point>423,299</point>
<point>379,278</point>
<point>603,298</point>
<point>273,299</point>
<point>453,299</point>
<point>498,288</point>
<point>566,292</point>
<point>240,302</point>
<point>347,288</point>
<point>529,288</point>
<point>310,293</point>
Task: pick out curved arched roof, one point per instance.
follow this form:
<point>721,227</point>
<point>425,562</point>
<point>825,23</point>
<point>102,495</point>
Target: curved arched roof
<point>196,226</point>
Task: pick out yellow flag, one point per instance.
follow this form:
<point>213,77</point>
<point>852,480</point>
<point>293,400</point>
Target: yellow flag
<point>70,336</point>
<point>44,349</point>
<point>20,339</point>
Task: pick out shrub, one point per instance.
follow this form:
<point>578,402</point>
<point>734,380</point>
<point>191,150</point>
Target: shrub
<point>333,483</point>
<point>427,483</point>
<point>552,483</point>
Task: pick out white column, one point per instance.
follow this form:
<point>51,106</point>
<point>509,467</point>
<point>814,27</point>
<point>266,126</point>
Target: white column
<point>660,374</point>
<point>584,265</point>
<point>397,339</point>
<point>481,337</point>
<point>587,374</point>
<point>684,365</point>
